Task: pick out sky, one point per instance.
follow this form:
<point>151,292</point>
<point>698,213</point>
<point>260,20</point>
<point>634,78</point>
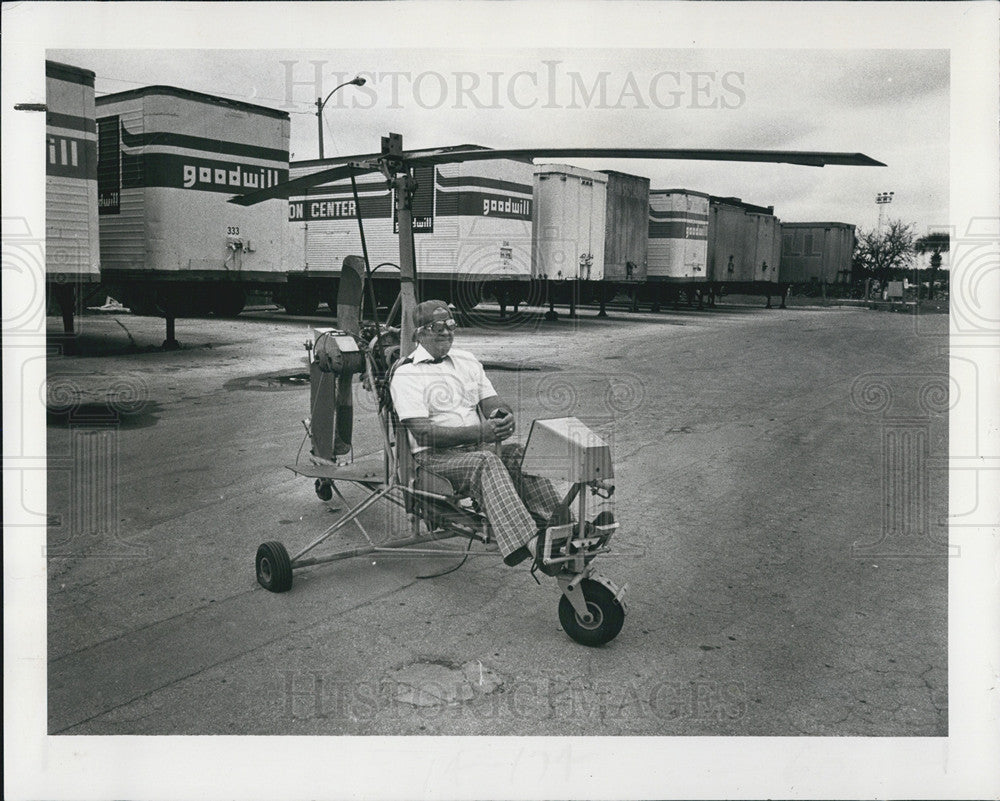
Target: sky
<point>891,105</point>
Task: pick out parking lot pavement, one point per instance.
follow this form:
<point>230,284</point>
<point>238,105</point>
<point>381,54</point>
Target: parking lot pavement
<point>780,537</point>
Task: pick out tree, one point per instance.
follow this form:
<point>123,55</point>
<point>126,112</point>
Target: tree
<point>881,252</point>
<point>935,244</point>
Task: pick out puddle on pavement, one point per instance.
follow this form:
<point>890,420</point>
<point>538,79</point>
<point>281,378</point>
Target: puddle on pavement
<point>520,367</point>
<point>102,415</point>
<point>442,683</point>
<point>270,382</point>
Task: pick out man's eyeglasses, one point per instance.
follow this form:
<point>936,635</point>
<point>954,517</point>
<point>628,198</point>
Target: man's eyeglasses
<point>440,326</point>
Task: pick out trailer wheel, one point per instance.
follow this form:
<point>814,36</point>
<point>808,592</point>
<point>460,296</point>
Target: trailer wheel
<point>274,568</point>
<point>228,301</point>
<point>299,300</point>
<point>608,615</point>
<point>324,489</point>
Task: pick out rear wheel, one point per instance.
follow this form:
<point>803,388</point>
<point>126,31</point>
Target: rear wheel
<point>607,615</point>
<point>274,568</point>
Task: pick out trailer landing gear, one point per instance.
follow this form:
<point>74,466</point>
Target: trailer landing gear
<point>171,343</point>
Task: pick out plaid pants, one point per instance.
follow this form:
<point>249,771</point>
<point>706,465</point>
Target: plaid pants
<point>507,498</point>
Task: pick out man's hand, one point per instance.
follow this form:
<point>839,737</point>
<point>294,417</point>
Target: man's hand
<point>500,424</point>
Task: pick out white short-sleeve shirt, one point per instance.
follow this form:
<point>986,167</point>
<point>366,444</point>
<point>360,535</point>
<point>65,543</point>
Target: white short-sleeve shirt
<point>448,393</point>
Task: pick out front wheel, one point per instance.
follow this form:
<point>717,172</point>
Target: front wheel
<point>274,568</point>
<point>607,614</point>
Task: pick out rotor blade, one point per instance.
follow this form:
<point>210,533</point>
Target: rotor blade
<point>805,157</point>
<point>360,165</point>
<point>296,185</point>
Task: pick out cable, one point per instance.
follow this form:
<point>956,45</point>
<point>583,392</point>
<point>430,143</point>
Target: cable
<point>451,569</point>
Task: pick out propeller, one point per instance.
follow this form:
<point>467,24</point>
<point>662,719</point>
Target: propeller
<point>331,371</point>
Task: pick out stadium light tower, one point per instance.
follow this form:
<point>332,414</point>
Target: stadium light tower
<point>357,80</point>
<point>882,198</point>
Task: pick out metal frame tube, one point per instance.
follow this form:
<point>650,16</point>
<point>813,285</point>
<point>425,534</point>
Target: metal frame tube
<point>347,518</point>
<point>393,546</point>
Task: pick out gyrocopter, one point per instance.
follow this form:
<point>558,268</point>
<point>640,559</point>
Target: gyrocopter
<point>591,607</point>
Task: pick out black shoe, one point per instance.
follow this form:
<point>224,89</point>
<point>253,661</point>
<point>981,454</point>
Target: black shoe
<point>516,557</point>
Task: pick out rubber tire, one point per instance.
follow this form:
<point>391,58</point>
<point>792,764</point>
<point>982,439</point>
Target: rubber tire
<point>228,301</point>
<point>608,613</point>
<point>300,302</point>
<point>274,568</point>
<point>324,490</point>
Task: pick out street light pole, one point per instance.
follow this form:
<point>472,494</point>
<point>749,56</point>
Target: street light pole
<point>321,103</point>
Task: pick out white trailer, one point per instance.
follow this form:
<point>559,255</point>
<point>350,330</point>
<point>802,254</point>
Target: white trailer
<point>767,247</point>
<point>169,160</point>
<point>568,233</point>
<point>72,245</point>
<point>471,232</point>
<point>678,236</point>
<point>744,250</point>
<point>678,245</point>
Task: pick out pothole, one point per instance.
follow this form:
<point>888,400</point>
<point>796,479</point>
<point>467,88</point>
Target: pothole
<point>442,683</point>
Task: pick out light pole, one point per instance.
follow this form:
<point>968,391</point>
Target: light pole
<point>882,198</point>
<point>356,81</point>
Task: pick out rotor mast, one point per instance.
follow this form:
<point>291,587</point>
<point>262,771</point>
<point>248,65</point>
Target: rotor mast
<point>401,179</point>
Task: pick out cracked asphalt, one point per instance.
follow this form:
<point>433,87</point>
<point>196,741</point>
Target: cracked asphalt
<point>781,490</point>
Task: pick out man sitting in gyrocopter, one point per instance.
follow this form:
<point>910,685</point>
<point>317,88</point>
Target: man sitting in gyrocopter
<point>457,424</point>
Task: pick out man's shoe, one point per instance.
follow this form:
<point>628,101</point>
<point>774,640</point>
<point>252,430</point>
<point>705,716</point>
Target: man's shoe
<point>516,557</point>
